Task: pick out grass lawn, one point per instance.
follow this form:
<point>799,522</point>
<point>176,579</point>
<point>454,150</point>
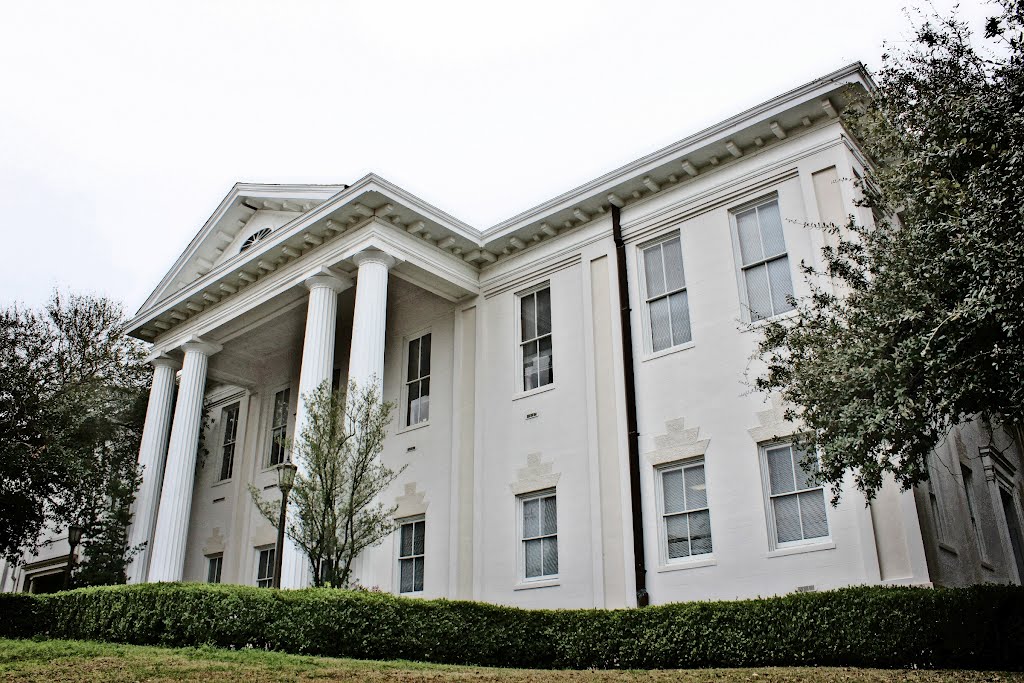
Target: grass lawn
<point>57,661</point>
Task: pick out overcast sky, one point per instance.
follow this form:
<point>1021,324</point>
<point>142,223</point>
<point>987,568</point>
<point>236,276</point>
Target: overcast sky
<point>123,124</point>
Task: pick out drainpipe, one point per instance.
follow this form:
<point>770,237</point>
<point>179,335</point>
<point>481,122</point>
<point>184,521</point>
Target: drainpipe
<point>642,597</point>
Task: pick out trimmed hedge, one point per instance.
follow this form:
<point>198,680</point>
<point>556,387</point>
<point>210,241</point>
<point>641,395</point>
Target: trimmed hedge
<point>980,627</point>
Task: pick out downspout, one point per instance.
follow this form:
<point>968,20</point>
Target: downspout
<point>633,435</point>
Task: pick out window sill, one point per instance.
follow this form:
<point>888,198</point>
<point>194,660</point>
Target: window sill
<point>746,326</point>
<point>985,564</point>
<point>529,585</point>
<point>667,352</point>
<point>411,594</point>
<point>221,482</point>
<point>799,549</point>
<point>948,548</point>
<point>534,392</point>
<point>413,428</point>
<point>688,564</point>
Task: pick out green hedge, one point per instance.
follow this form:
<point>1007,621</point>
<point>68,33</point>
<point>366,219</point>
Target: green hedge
<point>979,627</point>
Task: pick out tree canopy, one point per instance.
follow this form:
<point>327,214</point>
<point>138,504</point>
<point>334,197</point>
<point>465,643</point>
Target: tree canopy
<point>917,322</point>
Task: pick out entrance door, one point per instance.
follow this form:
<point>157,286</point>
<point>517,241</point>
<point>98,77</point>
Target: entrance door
<point>1013,526</point>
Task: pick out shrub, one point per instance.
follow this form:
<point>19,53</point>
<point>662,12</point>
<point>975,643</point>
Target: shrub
<point>977,627</point>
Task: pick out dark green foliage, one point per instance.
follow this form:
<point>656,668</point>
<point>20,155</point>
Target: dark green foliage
<point>979,627</point>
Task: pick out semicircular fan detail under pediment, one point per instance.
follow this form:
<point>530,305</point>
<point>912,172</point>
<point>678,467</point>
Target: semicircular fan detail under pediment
<point>254,238</point>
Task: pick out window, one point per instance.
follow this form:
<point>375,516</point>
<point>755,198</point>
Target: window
<point>265,568</point>
<point>764,263</point>
<point>279,427</point>
<point>254,238</point>
<point>535,338</point>
<point>668,310</point>
<point>540,536</point>
<point>968,477</point>
<point>214,565</point>
<point>417,381</point>
<point>933,502</point>
<point>410,555</point>
<point>686,521</point>
<point>229,421</point>
<point>796,502</point>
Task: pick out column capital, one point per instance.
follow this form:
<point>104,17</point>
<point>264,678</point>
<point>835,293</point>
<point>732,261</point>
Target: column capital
<point>161,359</point>
<point>325,277</point>
<point>199,345</point>
<point>374,256</point>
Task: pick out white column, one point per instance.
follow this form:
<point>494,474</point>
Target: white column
<point>317,366</point>
<point>152,455</point>
<point>366,359</point>
<point>167,557</point>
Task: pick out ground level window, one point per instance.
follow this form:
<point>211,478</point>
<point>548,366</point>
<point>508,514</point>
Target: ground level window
<point>265,568</point>
<point>796,501</point>
<point>411,536</point>
<point>686,520</point>
<point>539,536</point>
<point>213,568</point>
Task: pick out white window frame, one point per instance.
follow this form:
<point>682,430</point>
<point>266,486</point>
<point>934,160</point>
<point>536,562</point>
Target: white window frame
<point>406,382</point>
<point>399,558</point>
<point>219,560</point>
<point>268,463</point>
<point>521,539</point>
<point>269,578</point>
<point>741,269</point>
<point>660,471</point>
<point>520,384</point>
<point>769,508</point>
<point>646,299</point>
<point>225,442</point>
<point>972,510</point>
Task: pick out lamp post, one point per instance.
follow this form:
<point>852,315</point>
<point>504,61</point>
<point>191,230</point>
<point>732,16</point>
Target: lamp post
<point>285,481</point>
<point>74,538</point>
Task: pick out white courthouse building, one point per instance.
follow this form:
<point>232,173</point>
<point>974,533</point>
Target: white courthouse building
<point>574,414</point>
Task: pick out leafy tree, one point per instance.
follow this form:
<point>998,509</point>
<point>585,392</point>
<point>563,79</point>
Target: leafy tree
<point>334,509</point>
<point>72,406</point>
<point>916,323</point>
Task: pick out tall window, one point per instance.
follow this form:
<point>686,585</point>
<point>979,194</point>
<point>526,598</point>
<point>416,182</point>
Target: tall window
<point>796,501</point>
<point>535,340</point>
<point>765,265</point>
<point>665,289</point>
<point>417,381</point>
<point>410,555</point>
<point>540,536</point>
<point>213,567</point>
<point>279,427</point>
<point>265,568</point>
<point>229,420</point>
<point>686,521</point>
<point>972,510</point>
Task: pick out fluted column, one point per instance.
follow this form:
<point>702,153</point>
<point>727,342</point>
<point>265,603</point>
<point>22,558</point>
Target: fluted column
<point>152,454</point>
<point>317,366</point>
<point>167,557</point>
<point>366,358</point>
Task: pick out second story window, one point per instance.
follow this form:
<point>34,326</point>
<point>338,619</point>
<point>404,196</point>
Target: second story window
<point>764,264</point>
<point>535,338</point>
<point>417,381</point>
<point>668,310</point>
<point>229,421</point>
<point>279,427</point>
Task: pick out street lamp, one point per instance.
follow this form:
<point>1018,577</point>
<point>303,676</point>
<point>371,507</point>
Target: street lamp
<point>74,538</point>
<point>285,481</point>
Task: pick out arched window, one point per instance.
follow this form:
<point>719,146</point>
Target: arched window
<point>254,238</point>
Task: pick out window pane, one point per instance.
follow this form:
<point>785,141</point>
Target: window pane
<point>531,518</point>
<point>412,372</point>
<point>787,518</point>
<point>678,303</point>
<point>408,570</point>
<point>530,366</point>
<point>812,510</point>
<point>661,329</point>
<point>545,362</point>
<point>549,521</point>
<point>405,544</point>
<point>771,229</point>
<point>673,254</point>
<point>654,272</point>
<point>534,562</point>
<point>750,241</point>
<point>672,485</point>
<point>281,407</point>
<point>759,299</point>
<point>700,532</point>
<point>528,319</point>
<point>419,530</point>
<point>421,409</point>
<point>227,461</point>
<point>780,469</point>
<point>805,479</point>
<point>424,355</point>
<point>782,285</point>
<point>543,312</point>
<point>413,403</point>
<point>678,536</point>
<point>550,556</point>
<point>696,490</point>
<point>418,580</point>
